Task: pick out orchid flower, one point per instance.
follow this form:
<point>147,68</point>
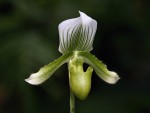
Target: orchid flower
<point>76,41</point>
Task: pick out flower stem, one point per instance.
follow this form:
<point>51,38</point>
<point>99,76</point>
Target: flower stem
<point>72,102</point>
<point>72,97</point>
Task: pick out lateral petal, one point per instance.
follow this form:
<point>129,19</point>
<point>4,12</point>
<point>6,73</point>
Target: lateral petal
<point>100,68</point>
<point>45,72</point>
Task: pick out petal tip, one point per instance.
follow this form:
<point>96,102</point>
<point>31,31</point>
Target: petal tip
<point>86,18</point>
<point>28,81</point>
<point>114,78</point>
<point>31,81</point>
<point>80,12</point>
<point>34,79</point>
<point>83,15</point>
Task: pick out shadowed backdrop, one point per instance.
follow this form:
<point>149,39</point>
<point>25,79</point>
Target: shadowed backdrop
<point>29,40</point>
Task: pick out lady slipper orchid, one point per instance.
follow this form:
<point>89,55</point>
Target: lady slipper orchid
<point>76,39</point>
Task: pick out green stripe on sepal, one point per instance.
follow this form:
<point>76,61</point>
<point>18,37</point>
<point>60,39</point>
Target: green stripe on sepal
<point>77,34</point>
<point>45,72</point>
<point>100,68</point>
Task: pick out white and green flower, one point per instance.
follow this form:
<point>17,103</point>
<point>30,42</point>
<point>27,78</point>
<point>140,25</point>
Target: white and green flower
<point>76,41</point>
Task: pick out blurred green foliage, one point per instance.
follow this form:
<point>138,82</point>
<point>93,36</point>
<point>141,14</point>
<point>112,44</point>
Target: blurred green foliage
<point>29,40</point>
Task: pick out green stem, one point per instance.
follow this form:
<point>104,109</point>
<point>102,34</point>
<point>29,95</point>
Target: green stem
<point>72,102</point>
<point>72,97</point>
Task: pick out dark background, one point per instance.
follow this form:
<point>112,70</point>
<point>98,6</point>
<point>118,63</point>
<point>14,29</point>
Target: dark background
<point>29,40</point>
